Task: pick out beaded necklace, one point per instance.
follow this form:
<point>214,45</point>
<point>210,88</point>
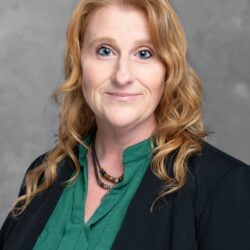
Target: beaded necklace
<point>100,171</point>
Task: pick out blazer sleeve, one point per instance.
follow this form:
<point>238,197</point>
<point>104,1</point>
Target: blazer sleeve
<point>10,222</point>
<point>225,223</point>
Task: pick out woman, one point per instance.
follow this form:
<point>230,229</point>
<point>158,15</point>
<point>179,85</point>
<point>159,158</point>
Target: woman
<point>130,169</point>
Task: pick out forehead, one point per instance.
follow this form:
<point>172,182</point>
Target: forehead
<point>118,22</point>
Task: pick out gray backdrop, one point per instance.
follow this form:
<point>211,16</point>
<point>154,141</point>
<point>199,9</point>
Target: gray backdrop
<point>32,38</point>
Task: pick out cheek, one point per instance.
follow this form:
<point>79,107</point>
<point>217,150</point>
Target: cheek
<point>89,82</point>
<point>155,79</point>
<point>91,75</point>
<point>157,93</point>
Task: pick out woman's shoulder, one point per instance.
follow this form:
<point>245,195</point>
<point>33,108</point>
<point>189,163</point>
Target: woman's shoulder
<point>65,165</point>
<point>212,162</point>
<point>213,170</point>
<point>38,161</point>
<point>35,163</point>
<point>43,157</point>
<point>211,152</point>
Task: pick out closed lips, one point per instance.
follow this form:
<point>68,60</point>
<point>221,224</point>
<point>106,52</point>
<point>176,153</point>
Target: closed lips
<point>122,94</point>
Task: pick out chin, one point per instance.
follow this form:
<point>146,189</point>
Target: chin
<point>123,125</point>
<point>123,122</point>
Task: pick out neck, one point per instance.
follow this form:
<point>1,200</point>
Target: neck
<point>111,142</point>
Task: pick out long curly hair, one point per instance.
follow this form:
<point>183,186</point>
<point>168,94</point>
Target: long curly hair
<point>180,127</point>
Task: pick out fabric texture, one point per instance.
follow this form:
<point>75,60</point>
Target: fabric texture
<point>211,212</point>
<point>66,229</point>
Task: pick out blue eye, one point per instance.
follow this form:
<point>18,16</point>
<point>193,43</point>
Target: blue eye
<point>103,51</point>
<point>145,54</point>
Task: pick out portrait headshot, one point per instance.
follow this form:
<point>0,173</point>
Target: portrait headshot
<point>125,125</point>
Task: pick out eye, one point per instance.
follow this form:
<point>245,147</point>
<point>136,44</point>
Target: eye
<point>145,54</point>
<point>103,51</point>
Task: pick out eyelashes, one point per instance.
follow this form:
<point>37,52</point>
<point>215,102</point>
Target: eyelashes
<point>145,52</point>
<point>105,51</point>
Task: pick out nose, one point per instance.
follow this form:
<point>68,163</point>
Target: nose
<point>122,74</point>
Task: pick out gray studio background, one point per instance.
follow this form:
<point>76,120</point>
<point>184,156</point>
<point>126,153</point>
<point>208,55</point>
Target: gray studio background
<point>32,37</point>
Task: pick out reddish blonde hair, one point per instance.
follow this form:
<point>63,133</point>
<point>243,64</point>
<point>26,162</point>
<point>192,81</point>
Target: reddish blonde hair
<point>180,127</point>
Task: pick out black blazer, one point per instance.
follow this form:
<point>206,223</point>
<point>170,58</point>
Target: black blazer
<point>211,212</point>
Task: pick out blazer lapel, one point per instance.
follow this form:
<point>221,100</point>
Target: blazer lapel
<point>141,228</point>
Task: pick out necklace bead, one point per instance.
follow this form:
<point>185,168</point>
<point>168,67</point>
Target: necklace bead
<point>100,171</point>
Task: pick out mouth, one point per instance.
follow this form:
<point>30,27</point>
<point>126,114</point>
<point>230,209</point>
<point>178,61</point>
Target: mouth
<point>123,96</point>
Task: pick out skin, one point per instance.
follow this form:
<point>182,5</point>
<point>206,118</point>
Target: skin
<point>123,82</point>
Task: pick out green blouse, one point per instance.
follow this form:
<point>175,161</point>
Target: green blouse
<point>66,229</point>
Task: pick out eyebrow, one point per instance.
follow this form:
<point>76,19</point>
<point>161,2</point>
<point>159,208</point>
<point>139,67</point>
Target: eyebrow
<point>111,40</point>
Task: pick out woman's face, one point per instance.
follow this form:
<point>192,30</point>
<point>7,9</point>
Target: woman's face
<point>123,77</point>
